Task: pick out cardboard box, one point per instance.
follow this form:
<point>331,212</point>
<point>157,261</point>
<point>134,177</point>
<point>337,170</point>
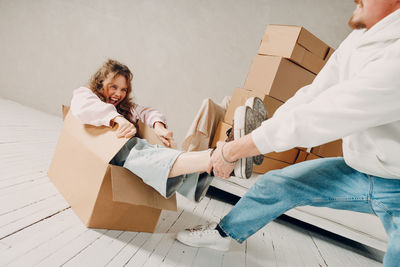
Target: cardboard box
<point>296,44</point>
<point>331,149</point>
<point>220,133</point>
<point>312,156</point>
<point>288,156</point>
<point>302,156</point>
<point>269,165</point>
<point>277,77</point>
<point>331,51</point>
<point>104,195</point>
<point>239,98</point>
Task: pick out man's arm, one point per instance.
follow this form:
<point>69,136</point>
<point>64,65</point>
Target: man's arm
<point>367,100</point>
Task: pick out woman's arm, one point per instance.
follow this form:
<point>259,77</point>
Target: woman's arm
<point>89,109</point>
<point>148,115</point>
<point>155,119</point>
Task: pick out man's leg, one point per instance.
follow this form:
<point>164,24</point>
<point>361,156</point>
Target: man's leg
<point>324,182</point>
<point>385,201</point>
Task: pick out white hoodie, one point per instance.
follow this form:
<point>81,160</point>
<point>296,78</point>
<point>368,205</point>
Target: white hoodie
<point>356,97</point>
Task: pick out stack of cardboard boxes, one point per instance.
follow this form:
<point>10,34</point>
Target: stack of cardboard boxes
<point>289,58</point>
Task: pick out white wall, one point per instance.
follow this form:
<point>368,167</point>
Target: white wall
<point>180,51</point>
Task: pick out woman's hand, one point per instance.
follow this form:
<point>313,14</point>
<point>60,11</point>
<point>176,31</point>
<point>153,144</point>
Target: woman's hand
<point>165,135</point>
<point>125,128</point>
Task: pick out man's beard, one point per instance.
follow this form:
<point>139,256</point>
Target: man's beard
<point>356,25</point>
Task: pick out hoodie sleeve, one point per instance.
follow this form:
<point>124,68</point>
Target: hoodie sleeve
<point>148,115</point>
<point>371,98</point>
<point>89,109</point>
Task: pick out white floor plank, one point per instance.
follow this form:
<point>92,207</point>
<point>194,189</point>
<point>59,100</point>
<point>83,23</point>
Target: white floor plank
<point>3,246</point>
<point>146,251</point>
<point>28,197</point>
<point>166,244</point>
<point>72,248</point>
<point>205,256</point>
<point>93,254</point>
<point>136,250</point>
<point>292,246</point>
<point>336,255</point>
<point>46,249</point>
<point>21,218</point>
<point>129,250</point>
<point>259,250</point>
<point>236,256</point>
<point>179,254</point>
<point>28,239</point>
<point>12,182</point>
<point>21,187</point>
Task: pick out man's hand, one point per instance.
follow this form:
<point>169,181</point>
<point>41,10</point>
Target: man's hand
<point>165,135</point>
<point>220,167</point>
<point>241,148</point>
<point>125,128</point>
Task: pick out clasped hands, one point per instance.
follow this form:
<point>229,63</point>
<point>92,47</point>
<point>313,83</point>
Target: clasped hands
<point>221,164</point>
<point>127,129</point>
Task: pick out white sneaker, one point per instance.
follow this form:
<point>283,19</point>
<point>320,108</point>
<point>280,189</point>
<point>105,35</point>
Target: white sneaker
<point>204,236</point>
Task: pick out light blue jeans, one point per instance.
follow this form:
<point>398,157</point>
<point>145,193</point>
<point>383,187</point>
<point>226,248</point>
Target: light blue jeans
<point>153,163</point>
<point>327,182</point>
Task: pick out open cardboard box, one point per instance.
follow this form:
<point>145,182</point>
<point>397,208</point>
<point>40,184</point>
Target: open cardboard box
<point>104,195</point>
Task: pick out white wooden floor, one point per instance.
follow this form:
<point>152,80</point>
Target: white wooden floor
<point>38,228</point>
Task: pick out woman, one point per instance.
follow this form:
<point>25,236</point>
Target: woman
<point>106,102</point>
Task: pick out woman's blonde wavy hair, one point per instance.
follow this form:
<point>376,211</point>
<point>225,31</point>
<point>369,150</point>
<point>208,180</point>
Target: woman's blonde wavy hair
<point>114,68</point>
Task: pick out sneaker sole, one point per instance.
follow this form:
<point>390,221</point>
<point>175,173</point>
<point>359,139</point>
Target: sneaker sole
<point>244,124</point>
<point>261,115</point>
<point>202,246</point>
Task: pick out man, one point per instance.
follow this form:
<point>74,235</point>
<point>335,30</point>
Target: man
<point>355,97</point>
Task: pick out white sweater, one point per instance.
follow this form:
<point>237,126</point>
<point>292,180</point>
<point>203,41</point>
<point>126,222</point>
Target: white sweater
<point>89,109</point>
<point>356,97</point>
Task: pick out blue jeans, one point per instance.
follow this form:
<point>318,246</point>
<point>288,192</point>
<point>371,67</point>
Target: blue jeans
<point>327,182</point>
<point>153,163</point>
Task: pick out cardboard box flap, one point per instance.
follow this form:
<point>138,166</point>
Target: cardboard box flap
<point>100,140</point>
<point>148,133</point>
<point>129,188</point>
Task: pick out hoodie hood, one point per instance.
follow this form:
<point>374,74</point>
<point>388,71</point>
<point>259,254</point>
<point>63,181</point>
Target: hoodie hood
<point>386,30</point>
